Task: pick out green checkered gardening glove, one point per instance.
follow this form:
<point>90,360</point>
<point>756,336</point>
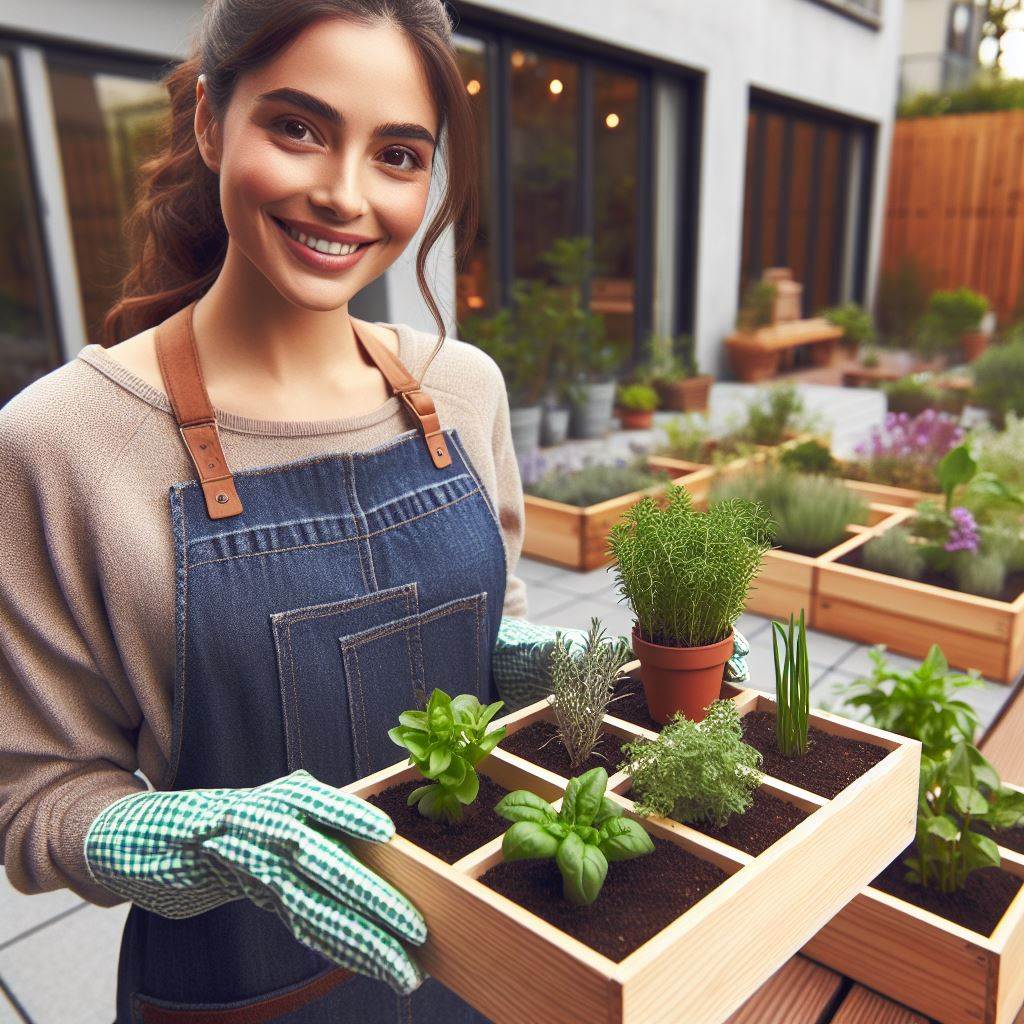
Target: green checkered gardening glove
<point>180,853</point>
<point>522,659</point>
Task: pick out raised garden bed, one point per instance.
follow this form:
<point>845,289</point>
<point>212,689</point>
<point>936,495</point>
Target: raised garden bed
<point>948,971</point>
<point>576,536</point>
<point>909,616</point>
<point>698,901</point>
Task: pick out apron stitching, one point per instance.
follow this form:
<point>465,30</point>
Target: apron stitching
<point>365,755</point>
<point>180,716</point>
<point>346,540</point>
<point>348,475</point>
<point>389,629</point>
<point>317,611</point>
<point>295,697</point>
<point>365,523</point>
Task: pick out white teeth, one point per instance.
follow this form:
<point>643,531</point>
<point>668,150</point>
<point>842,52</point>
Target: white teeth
<point>321,244</point>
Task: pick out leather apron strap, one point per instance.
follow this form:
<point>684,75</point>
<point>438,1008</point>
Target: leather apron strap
<point>183,380</point>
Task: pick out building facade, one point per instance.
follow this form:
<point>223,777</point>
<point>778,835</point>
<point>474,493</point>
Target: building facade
<point>694,143</point>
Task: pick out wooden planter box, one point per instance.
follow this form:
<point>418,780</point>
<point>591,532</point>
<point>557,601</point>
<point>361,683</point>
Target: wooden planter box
<point>703,965</point>
<point>937,967</point>
<point>576,536</point>
<point>904,497</point>
<point>908,617</point>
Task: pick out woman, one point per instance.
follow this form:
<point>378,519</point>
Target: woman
<point>222,583</point>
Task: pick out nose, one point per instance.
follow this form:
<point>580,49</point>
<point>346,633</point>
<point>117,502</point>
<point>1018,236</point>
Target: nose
<point>341,192</point>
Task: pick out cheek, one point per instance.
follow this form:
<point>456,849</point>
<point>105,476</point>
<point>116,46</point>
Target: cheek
<point>401,207</point>
<point>256,175</point>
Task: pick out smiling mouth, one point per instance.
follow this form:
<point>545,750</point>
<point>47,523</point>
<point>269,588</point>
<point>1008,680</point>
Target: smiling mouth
<point>323,246</point>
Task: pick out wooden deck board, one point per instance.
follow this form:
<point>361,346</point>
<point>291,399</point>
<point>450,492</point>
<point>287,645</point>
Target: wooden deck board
<point>800,992</point>
<point>862,1006</point>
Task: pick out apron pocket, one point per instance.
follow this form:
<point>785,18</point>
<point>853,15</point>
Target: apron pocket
<point>291,1004</point>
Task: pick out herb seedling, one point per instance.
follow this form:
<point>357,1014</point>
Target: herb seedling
<point>955,792</point>
<point>920,703</point>
<point>581,689</point>
<point>792,687</point>
<point>446,743</point>
<point>695,771</point>
<point>582,838</point>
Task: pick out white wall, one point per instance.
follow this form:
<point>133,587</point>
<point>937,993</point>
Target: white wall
<point>796,48</point>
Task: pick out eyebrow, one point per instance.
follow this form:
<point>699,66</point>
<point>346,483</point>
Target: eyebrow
<point>321,108</point>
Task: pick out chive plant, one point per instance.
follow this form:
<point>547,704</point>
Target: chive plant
<point>792,686</point>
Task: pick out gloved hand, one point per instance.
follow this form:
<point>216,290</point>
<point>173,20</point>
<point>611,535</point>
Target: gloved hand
<point>522,659</point>
<point>180,853</point>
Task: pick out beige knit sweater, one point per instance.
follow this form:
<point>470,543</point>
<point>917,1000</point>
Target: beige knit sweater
<point>87,454</point>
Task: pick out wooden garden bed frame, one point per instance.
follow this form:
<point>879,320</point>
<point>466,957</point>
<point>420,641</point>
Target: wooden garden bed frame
<point>908,617</point>
<point>934,966</point>
<point>729,943</point>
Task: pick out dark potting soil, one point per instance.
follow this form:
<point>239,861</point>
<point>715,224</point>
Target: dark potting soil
<point>630,704</point>
<point>829,766</point>
<point>1012,588</point>
<point>639,897</point>
<point>479,824</point>
<point>979,905</point>
<point>765,822</point>
<point>538,742</point>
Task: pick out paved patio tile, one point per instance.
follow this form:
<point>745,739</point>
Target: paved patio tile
<point>19,912</point>
<point>533,571</point>
<point>66,973</point>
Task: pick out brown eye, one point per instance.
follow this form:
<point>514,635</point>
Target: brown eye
<point>293,129</point>
<point>402,151</point>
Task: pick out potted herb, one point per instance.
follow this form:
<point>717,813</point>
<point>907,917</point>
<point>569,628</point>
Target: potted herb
<point>686,575</point>
<point>757,307</point>
<point>636,405</point>
<point>675,376</point>
<point>582,686</point>
<point>582,837</point>
<point>951,322</point>
<point>856,323</point>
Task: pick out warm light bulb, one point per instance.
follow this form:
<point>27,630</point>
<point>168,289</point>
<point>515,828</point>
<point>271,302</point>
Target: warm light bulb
<point>612,120</point>
<point>473,87</point>
<point>555,86</point>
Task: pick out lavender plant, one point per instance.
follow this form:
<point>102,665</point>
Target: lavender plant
<point>595,482</point>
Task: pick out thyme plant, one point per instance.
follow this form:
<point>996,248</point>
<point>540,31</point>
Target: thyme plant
<point>686,574</point>
<point>792,687</point>
<point>446,742</point>
<point>582,686</point>
<point>695,771</point>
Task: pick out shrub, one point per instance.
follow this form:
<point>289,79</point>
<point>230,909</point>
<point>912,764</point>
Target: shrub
<point>687,574</point>
<point>695,771</point>
<point>582,684</point>
<point>983,574</point>
<point>948,316</point>
<point>774,415</point>
<point>999,380</point>
<point>902,299</point>
<point>999,451</point>
<point>810,457</point>
<point>856,323</point>
<point>915,393</point>
<point>688,438</point>
<point>895,553</point>
<point>757,307</point>
<point>810,513</point>
<point>639,397</point>
<point>594,483</point>
<point>905,450</point>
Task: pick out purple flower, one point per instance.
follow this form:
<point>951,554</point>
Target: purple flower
<point>963,534</point>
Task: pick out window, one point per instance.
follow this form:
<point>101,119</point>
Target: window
<point>108,124</point>
<point>29,345</point>
<point>806,200</point>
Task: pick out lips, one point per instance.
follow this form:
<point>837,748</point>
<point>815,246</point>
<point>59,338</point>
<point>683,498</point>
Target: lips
<point>286,228</point>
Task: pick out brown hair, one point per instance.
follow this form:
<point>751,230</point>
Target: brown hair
<point>176,229</point>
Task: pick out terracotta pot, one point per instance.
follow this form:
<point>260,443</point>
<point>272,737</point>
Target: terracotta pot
<point>973,343</point>
<point>635,419</point>
<point>687,395</point>
<point>685,679</point>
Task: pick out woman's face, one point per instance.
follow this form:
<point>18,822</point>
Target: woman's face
<point>286,159</point>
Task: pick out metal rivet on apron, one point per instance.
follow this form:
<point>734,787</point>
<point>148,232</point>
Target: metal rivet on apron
<point>223,498</point>
<point>203,446</point>
<point>439,452</point>
<point>211,464</point>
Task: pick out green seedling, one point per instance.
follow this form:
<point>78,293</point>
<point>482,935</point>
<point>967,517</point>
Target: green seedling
<point>446,743</point>
<point>582,838</point>
<point>792,687</point>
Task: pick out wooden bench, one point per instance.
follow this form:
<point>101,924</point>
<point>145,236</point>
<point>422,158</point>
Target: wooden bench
<point>754,355</point>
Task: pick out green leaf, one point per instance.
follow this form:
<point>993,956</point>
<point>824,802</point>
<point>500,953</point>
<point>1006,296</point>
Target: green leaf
<point>440,758</point>
<point>439,712</point>
<point>955,467</point>
<point>583,869</point>
<point>417,794</point>
<point>526,840</point>
<point>609,809</point>
<point>624,838</point>
<point>522,805</point>
<point>415,720</point>
<point>466,791</point>
<point>969,801</point>
<point>584,796</point>
<point>943,828</point>
<point>454,775</point>
<point>979,851</point>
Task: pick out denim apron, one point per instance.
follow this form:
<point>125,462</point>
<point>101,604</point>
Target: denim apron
<point>316,601</point>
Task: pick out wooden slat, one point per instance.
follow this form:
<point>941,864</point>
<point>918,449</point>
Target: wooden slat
<point>1003,745</point>
<point>862,1006</point>
<point>798,993</point>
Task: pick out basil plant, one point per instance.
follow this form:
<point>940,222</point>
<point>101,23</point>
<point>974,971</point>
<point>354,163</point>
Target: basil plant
<point>587,833</point>
<point>446,742</point>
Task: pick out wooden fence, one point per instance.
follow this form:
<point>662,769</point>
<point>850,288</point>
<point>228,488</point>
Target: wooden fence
<point>956,203</point>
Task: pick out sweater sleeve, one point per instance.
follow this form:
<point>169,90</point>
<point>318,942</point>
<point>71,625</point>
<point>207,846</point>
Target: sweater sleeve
<point>67,741</point>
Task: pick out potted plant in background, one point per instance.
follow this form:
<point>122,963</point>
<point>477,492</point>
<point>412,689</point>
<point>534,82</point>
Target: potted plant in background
<point>686,575</point>
<point>674,374</point>
<point>950,324</point>
<point>857,326</point>
<point>635,406</point>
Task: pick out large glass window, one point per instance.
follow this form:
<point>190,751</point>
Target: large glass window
<point>108,124</point>
<point>805,204</point>
<point>29,346</point>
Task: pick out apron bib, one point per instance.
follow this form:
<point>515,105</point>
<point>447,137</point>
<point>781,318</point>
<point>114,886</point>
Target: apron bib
<point>315,601</point>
